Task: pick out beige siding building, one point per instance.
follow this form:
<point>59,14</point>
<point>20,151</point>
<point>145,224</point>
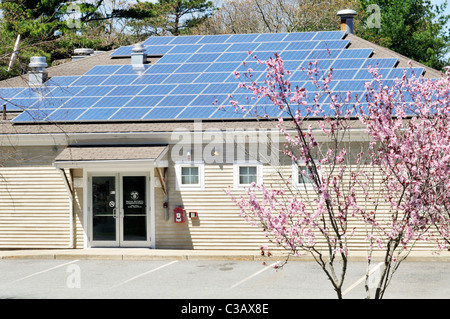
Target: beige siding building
<point>85,184</point>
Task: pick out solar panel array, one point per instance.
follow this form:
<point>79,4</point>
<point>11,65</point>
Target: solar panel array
<point>194,78</point>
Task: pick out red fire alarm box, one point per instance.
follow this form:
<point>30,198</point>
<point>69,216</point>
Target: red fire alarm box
<point>178,214</point>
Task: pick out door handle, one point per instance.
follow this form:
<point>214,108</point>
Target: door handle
<point>115,213</point>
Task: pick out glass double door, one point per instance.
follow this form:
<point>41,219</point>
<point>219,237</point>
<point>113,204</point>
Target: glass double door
<point>119,210</point>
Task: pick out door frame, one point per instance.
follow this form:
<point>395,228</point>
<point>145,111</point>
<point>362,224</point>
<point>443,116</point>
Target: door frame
<point>119,170</point>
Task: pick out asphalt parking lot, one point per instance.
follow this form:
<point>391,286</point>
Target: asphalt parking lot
<point>209,279</point>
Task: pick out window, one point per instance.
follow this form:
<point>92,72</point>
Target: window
<point>301,176</point>
<point>190,176</point>
<point>247,173</point>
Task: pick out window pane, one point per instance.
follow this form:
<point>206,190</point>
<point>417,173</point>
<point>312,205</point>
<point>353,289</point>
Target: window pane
<point>247,174</point>
<point>303,178</point>
<point>189,175</point>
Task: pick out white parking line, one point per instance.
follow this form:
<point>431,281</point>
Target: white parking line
<point>253,275</point>
<point>145,273</point>
<point>361,279</point>
<point>46,270</point>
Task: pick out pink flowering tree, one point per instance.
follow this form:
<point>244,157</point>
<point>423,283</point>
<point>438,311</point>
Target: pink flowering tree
<point>403,166</point>
<point>408,122</point>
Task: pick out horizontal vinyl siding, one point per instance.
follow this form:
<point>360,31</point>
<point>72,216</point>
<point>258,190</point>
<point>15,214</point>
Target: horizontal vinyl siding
<point>220,225</point>
<point>34,208</point>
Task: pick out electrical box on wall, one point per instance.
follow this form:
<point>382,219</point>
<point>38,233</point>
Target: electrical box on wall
<point>178,214</point>
<point>193,215</point>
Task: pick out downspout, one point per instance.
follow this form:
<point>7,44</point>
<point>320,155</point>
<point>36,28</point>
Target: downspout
<point>69,190</point>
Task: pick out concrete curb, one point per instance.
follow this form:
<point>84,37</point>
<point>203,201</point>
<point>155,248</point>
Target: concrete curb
<point>139,254</point>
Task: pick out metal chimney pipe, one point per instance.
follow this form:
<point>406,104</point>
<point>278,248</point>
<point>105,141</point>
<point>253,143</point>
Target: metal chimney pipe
<point>347,20</point>
<point>138,57</point>
<point>37,75</point>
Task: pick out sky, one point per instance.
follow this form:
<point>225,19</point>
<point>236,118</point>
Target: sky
<point>447,11</point>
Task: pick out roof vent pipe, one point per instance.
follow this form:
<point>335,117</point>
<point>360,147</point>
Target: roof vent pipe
<point>347,20</point>
<point>138,57</point>
<point>82,53</point>
<point>37,75</point>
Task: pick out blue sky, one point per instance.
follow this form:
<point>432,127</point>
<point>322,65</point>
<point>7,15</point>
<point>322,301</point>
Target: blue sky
<point>447,12</point>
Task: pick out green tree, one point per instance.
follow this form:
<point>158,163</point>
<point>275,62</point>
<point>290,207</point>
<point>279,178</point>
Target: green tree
<point>271,16</point>
<point>168,17</point>
<point>44,29</point>
<point>414,28</point>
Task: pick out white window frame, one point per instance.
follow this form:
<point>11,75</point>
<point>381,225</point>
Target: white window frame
<point>236,175</point>
<point>201,176</point>
<point>295,172</point>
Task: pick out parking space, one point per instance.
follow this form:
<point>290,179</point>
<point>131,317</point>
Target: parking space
<point>215,279</point>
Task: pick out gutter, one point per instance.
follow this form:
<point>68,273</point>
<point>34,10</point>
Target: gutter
<point>109,138</point>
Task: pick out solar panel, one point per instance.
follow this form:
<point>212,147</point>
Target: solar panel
<point>90,80</point>
<point>163,68</point>
<point>64,115</point>
<point>157,89</point>
<point>95,90</point>
<point>20,104</point>
<point>398,73</point>
<point>214,38</point>
<point>185,48</point>
<point>65,91</point>
<point>242,47</point>
<point>114,102</point>
<point>332,44</point>
<point>348,63</point>
<point>120,80</point>
<point>39,92</point>
<point>324,54</point>
<point>188,89</point>
<point>129,113</point>
<point>131,69</point>
<point>355,53</point>
<point>302,36</point>
<point>158,49</point>
<point>97,114</point>
<point>162,113</point>
<point>329,35</point>
<point>61,80</point>
<point>33,115</point>
<point>232,57</point>
<point>218,47</point>
<point>194,78</point>
<point>125,90</point>
<point>177,78</point>
<point>302,45</point>
<point>145,101</point>
<point>122,51</point>
<point>79,102</point>
<point>242,38</point>
<point>197,112</point>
